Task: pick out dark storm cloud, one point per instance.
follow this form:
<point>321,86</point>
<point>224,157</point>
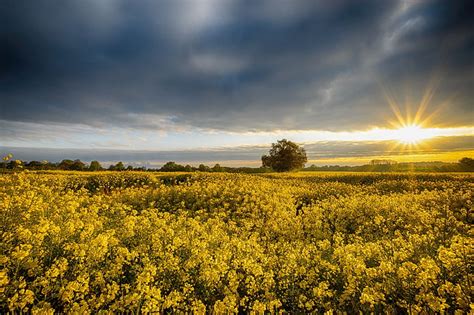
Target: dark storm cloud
<point>434,41</point>
<point>232,65</point>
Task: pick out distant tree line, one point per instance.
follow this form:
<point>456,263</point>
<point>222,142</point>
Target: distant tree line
<point>65,165</point>
<point>77,165</point>
<point>464,165</point>
<point>217,168</point>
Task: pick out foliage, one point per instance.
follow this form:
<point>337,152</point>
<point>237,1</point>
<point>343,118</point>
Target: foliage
<point>467,164</point>
<point>117,167</point>
<point>285,156</point>
<point>75,242</point>
<point>95,166</point>
<point>76,165</point>
<point>203,168</point>
<point>172,167</point>
<point>464,165</point>
<point>389,166</point>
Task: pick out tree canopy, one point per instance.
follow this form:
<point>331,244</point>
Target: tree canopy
<point>172,167</point>
<point>117,167</point>
<point>95,166</point>
<point>285,156</point>
<point>467,164</point>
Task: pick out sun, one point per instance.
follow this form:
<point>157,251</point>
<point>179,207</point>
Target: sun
<point>410,127</point>
<point>411,134</point>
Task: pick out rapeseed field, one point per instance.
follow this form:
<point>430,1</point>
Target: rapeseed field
<point>226,243</point>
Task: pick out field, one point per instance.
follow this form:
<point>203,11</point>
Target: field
<point>220,243</point>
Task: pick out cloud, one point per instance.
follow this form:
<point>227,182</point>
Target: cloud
<point>214,64</point>
<point>230,65</point>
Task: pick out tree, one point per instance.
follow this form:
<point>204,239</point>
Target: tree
<point>77,165</point>
<point>204,168</point>
<point>119,166</point>
<point>467,164</point>
<point>217,168</point>
<point>65,164</point>
<point>285,156</point>
<point>95,166</point>
<point>34,165</point>
<point>172,167</point>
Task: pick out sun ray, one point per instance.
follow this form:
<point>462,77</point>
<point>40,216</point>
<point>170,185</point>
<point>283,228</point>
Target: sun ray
<point>423,105</point>
<point>427,120</point>
<point>426,100</point>
<point>410,126</point>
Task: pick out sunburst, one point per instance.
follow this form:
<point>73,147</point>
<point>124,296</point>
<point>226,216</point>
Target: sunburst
<point>412,134</point>
<point>411,131</point>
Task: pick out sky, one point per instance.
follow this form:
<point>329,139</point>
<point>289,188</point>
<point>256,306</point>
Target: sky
<point>217,81</point>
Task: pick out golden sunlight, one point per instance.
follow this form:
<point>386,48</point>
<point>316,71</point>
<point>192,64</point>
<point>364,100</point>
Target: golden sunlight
<point>412,134</point>
<point>409,130</point>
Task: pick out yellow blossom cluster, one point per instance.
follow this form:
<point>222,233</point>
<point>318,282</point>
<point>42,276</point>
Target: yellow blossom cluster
<point>228,243</point>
